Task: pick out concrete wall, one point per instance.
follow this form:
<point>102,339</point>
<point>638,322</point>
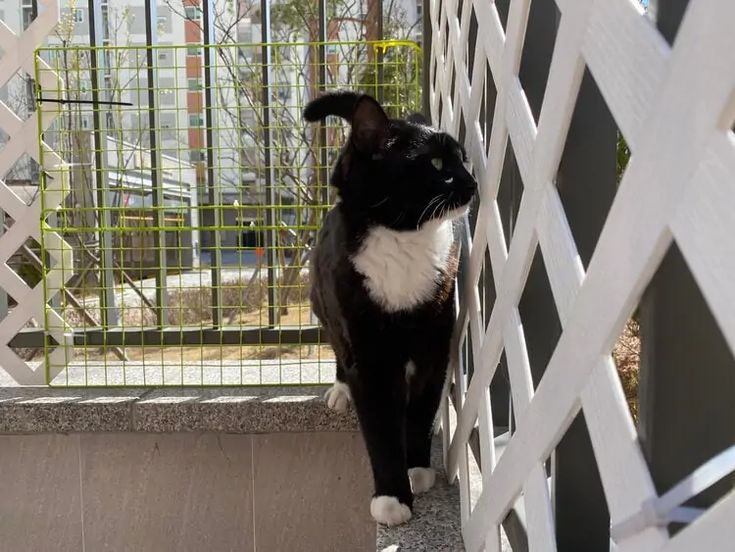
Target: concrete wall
<point>185,492</point>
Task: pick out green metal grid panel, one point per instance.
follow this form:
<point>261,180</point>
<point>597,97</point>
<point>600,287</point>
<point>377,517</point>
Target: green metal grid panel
<point>151,298</point>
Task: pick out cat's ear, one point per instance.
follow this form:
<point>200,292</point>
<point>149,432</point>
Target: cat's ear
<point>370,125</point>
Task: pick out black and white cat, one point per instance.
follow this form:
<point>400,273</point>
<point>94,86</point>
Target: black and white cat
<point>383,286</point>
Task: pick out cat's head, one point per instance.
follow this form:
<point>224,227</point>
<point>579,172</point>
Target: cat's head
<point>398,174</point>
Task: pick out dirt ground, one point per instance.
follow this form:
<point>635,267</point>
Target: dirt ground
<point>296,315</point>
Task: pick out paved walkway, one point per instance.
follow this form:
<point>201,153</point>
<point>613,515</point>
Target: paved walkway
<point>207,372</point>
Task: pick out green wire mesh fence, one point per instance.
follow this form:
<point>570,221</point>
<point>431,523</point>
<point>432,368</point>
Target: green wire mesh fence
<point>195,194</point>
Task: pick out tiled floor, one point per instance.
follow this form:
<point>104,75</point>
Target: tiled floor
<point>185,492</point>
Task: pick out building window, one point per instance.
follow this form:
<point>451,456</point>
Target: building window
<point>78,16</point>
<point>197,156</point>
<point>250,236</point>
<point>193,13</point>
<point>195,84</point>
<point>167,96</point>
<point>28,16</point>
<point>163,56</point>
<point>196,120</point>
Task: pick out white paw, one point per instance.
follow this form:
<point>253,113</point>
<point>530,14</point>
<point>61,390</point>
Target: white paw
<point>388,511</point>
<point>422,479</point>
<point>338,397</point>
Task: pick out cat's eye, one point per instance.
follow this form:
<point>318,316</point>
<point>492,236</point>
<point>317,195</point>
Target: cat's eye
<point>437,163</point>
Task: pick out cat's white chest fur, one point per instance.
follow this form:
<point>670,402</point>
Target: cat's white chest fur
<point>402,269</point>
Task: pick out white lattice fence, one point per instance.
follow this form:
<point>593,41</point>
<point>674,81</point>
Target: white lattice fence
<point>675,105</point>
<point>18,57</point>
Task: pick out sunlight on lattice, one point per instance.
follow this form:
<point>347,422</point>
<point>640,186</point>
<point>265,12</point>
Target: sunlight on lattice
<point>22,219</point>
<point>678,186</point>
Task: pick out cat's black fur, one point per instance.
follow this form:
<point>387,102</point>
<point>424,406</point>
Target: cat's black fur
<point>385,177</point>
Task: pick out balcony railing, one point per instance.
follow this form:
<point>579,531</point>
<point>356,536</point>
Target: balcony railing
<point>192,204</point>
<point>179,188</point>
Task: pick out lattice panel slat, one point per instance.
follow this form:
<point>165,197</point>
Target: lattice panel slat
<point>18,56</point>
<point>675,106</point>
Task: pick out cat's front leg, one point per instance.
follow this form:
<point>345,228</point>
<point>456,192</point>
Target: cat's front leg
<point>378,388</point>
<point>424,398</point>
<point>338,396</point>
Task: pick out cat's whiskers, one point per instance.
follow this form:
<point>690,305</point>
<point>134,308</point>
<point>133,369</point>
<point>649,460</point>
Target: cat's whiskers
<point>428,206</point>
<point>445,207</point>
<point>399,218</point>
<point>439,205</point>
<point>379,203</point>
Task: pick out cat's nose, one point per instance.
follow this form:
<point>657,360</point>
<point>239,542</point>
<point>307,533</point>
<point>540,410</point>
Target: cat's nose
<point>467,190</point>
<point>470,185</point>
